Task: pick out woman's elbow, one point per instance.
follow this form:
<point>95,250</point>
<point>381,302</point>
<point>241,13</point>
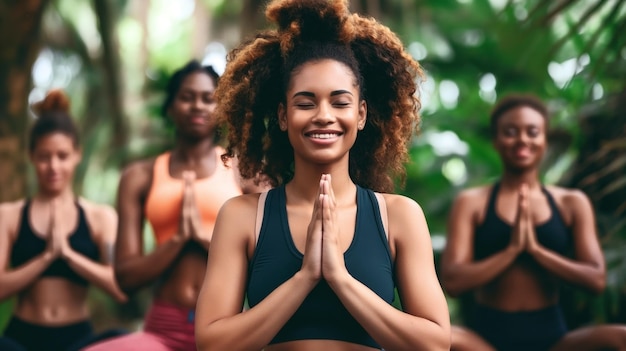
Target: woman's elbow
<point>451,285</point>
<point>204,342</point>
<point>201,343</point>
<point>443,342</point>
<point>119,296</point>
<point>440,341</point>
<point>452,290</point>
<point>5,295</point>
<point>598,284</point>
<point>126,280</point>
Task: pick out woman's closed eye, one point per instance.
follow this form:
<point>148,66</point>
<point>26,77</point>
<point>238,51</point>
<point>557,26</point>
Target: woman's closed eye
<point>208,99</point>
<point>510,131</point>
<point>533,132</point>
<point>185,97</point>
<point>305,105</point>
<point>342,104</point>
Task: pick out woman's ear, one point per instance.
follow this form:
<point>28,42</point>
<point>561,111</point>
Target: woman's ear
<point>282,117</point>
<point>79,154</point>
<point>362,115</point>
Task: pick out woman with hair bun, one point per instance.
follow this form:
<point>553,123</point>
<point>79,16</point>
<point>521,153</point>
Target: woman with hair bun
<point>325,107</point>
<point>179,193</point>
<point>55,244</point>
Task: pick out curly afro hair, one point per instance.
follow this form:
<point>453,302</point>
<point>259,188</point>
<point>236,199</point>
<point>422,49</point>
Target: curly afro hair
<point>258,73</point>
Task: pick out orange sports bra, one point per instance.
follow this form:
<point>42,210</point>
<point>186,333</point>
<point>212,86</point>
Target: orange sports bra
<point>163,205</point>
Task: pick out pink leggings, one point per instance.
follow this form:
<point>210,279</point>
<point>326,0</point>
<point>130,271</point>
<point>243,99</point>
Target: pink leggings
<point>167,328</point>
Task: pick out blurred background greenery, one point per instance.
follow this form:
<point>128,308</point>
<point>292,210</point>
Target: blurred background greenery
<point>113,58</point>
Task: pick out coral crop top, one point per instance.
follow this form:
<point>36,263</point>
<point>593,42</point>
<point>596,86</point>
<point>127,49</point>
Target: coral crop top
<point>165,198</point>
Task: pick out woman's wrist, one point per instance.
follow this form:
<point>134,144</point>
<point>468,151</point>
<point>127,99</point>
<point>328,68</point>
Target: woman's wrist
<point>302,277</point>
<point>49,255</point>
<point>338,280</point>
<point>514,249</point>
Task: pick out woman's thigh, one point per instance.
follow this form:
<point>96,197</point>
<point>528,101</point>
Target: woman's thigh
<point>140,341</point>
<point>7,344</point>
<point>464,339</point>
<point>595,338</point>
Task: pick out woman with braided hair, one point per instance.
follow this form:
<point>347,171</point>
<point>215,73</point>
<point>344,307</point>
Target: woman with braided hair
<point>324,107</point>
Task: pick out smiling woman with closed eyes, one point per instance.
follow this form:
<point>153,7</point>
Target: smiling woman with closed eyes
<point>513,243</point>
<point>324,107</point>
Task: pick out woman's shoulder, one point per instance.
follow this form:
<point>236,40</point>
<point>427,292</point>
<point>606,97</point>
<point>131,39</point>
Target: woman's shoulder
<point>9,220</point>
<point>398,200</point>
<point>10,213</point>
<point>472,200</point>
<point>569,198</point>
<point>475,193</point>
<point>241,204</point>
<point>566,193</point>
<point>137,176</point>
<point>238,215</point>
<point>401,207</point>
<point>139,167</point>
<point>99,216</point>
<point>97,210</point>
<point>11,207</point>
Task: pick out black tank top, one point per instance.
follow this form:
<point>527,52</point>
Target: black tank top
<point>28,245</point>
<point>494,235</point>
<point>321,315</point>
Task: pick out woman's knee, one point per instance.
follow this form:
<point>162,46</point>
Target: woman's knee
<point>463,339</point>
<point>139,341</point>
<point>7,344</point>
<point>612,337</point>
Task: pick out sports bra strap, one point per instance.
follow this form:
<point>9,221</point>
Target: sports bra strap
<point>260,209</point>
<point>383,212</point>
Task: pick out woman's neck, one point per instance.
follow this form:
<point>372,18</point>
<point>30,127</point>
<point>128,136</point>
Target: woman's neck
<point>192,152</point>
<point>514,180</point>
<point>65,195</point>
<point>305,185</point>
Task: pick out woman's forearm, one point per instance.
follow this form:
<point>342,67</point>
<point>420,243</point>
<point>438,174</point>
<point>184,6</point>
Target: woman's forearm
<point>99,274</point>
<point>254,329</point>
<point>135,272</point>
<point>14,281</point>
<point>390,327</point>
<point>461,277</point>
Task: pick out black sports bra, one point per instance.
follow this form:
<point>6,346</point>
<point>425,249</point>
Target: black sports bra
<point>28,245</point>
<point>321,315</point>
<point>494,234</point>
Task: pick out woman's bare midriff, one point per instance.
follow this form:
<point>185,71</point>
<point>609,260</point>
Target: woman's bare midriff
<point>183,281</point>
<point>522,287</point>
<point>316,345</point>
<point>53,301</point>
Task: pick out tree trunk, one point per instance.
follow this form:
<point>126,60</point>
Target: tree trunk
<point>20,24</point>
<point>252,17</point>
<point>107,19</point>
<point>202,30</point>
